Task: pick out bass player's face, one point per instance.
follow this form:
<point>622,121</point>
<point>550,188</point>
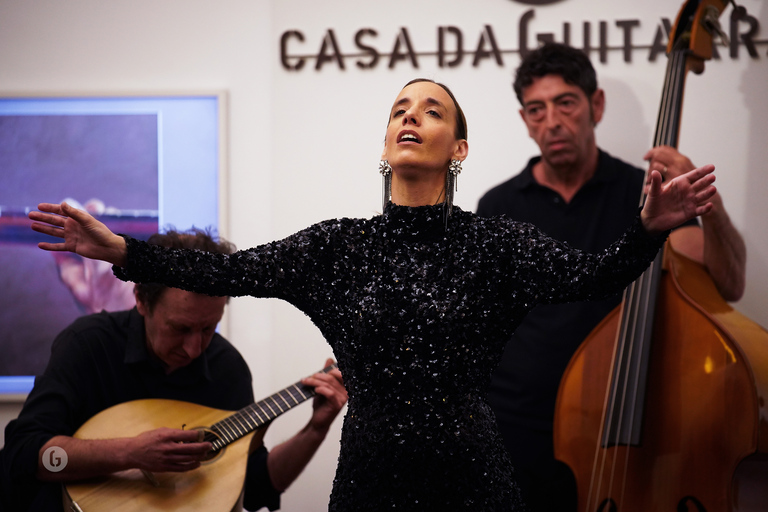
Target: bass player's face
<point>562,119</point>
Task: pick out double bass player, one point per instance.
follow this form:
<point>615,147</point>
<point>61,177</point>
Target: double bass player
<point>577,192</point>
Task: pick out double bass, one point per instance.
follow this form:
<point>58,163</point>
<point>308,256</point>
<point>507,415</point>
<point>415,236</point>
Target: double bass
<point>663,406</point>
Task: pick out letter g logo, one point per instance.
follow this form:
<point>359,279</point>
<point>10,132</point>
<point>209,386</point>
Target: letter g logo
<point>55,459</point>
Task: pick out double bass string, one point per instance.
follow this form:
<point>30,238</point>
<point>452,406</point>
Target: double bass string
<point>633,324</point>
<point>638,308</point>
<point>606,409</point>
<point>671,105</point>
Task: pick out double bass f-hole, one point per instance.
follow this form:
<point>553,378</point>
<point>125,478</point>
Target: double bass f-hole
<point>608,505</point>
<point>683,505</point>
<point>686,504</point>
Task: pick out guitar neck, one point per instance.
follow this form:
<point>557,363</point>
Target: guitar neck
<point>258,414</point>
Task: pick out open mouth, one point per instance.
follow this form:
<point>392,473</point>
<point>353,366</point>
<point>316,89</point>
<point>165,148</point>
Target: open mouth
<point>408,136</point>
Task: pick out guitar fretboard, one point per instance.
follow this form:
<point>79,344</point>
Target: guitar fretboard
<point>257,415</point>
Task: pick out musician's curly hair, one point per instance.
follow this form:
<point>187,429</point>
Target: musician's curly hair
<point>571,64</point>
<point>200,239</point>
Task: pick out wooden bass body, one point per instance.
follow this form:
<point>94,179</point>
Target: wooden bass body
<point>704,442</point>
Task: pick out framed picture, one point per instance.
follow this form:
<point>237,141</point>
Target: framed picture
<point>140,163</point>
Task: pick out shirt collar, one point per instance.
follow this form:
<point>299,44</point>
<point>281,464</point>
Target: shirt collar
<point>603,173</point>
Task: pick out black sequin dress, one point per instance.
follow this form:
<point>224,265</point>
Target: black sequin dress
<point>417,317</point>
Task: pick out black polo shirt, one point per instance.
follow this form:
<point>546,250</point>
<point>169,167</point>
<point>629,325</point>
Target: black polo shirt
<point>524,387</point>
<point>102,360</point>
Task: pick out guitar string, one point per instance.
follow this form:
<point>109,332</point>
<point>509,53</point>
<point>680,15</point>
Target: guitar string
<point>237,425</point>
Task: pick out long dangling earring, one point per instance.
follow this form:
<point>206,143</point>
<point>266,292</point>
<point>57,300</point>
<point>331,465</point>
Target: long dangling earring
<point>451,185</point>
<point>386,181</point>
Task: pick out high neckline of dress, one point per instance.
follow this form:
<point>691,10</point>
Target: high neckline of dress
<point>417,221</point>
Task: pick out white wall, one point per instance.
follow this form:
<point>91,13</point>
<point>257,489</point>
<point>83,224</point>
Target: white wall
<point>304,145</point>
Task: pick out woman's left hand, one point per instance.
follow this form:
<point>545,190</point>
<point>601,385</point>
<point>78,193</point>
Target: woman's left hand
<point>676,201</point>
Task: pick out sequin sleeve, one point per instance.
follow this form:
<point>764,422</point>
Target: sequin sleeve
<point>557,272</point>
<point>288,269</point>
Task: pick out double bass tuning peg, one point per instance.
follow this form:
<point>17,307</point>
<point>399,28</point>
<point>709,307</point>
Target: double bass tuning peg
<point>712,25</point>
<point>739,11</point>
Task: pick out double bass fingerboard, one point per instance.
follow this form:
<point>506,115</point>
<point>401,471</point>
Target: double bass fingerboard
<point>626,401</point>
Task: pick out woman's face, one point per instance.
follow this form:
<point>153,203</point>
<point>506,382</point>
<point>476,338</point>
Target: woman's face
<point>421,134</point>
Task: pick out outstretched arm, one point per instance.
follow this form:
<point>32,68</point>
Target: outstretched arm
<point>673,202</point>
<point>81,233</point>
<point>287,460</point>
<point>718,246</point>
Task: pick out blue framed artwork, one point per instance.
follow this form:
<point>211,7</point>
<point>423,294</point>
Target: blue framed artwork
<point>141,164</point>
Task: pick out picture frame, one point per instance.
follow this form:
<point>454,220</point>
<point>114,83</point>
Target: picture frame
<point>140,162</point>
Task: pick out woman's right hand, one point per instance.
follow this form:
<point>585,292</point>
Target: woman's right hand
<point>82,234</point>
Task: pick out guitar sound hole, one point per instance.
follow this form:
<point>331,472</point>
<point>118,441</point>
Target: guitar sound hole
<point>210,436</point>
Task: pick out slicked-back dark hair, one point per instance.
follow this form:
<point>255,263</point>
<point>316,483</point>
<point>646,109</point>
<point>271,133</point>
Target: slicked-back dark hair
<point>556,59</point>
<point>202,240</point>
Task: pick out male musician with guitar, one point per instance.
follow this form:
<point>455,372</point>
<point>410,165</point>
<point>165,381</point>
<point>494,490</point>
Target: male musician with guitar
<point>164,348</point>
<point>578,193</point>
